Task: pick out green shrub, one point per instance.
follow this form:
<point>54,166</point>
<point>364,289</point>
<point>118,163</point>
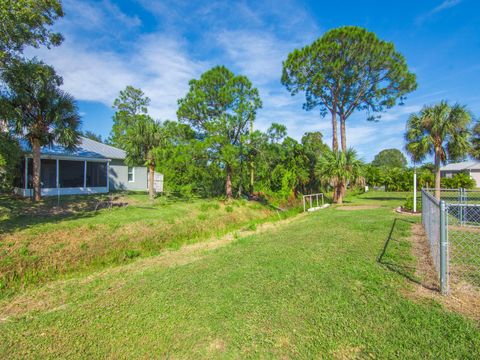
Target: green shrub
<point>408,205</point>
<point>460,180</point>
<point>228,209</point>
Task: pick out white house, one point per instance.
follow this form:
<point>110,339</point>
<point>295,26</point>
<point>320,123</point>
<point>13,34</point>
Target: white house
<point>92,168</point>
<point>471,167</point>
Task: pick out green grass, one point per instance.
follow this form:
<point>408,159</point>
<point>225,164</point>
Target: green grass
<point>41,243</point>
<point>312,288</point>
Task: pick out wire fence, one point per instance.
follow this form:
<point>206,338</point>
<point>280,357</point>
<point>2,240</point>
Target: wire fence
<point>451,218</point>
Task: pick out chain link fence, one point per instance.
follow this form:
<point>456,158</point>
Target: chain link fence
<point>451,218</point>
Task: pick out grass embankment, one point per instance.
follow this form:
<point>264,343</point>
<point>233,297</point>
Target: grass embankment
<point>311,288</point>
<point>42,242</point>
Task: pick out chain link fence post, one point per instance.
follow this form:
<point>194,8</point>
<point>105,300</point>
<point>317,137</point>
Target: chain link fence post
<point>443,248</point>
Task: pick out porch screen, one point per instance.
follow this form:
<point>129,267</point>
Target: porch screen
<point>71,173</point>
<point>48,173</point>
<point>96,174</point>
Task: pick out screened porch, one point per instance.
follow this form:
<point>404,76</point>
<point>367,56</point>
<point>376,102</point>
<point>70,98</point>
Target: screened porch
<point>63,176</point>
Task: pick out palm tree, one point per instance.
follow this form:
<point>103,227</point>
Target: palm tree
<point>141,140</point>
<point>338,168</point>
<point>442,131</point>
<point>37,110</point>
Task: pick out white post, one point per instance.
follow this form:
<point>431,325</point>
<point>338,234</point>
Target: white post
<point>57,181</point>
<point>414,188</point>
<point>85,174</point>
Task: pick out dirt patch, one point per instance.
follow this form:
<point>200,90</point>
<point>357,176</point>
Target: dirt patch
<point>356,207</point>
<point>462,298</point>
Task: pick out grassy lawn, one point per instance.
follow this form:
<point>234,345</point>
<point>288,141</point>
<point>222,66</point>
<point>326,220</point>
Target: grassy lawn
<point>43,242</point>
<point>309,288</point>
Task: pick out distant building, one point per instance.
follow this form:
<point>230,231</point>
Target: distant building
<point>92,168</point>
<point>470,167</point>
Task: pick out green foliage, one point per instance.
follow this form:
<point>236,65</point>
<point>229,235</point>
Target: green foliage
<point>338,168</point>
<point>228,209</point>
<point>345,70</point>
<point>130,105</point>
<point>459,180</point>
<point>408,205</point>
<point>397,179</point>
<point>132,254</point>
<point>220,106</point>
<point>392,158</point>
<point>92,136</point>
<point>37,110</point>
<point>27,23</point>
<point>10,154</point>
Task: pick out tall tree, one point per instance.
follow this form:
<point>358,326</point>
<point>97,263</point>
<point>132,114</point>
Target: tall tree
<point>38,110</point>
<point>345,70</point>
<point>442,131</point>
<point>221,105</point>
<point>131,104</point>
<point>314,148</point>
<point>338,168</point>
<point>27,23</point>
<point>390,158</point>
<point>141,139</point>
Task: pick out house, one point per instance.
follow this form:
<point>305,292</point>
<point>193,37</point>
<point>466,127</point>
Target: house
<point>92,168</point>
<point>470,167</point>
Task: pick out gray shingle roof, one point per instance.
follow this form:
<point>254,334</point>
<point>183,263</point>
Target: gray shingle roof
<point>86,149</point>
<point>464,165</point>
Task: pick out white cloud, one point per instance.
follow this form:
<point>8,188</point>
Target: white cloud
<point>157,64</point>
<point>446,4</point>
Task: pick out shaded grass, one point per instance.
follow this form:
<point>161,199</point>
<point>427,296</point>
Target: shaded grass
<point>84,240</point>
<point>309,289</point>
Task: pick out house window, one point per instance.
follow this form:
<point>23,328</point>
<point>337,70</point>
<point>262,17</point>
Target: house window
<point>131,174</point>
<point>96,174</point>
<point>71,173</point>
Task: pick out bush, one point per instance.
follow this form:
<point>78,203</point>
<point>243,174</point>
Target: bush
<point>460,180</point>
<point>408,205</point>
<point>229,209</point>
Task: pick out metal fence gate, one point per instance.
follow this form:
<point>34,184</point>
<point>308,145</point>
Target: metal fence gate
<point>452,225</point>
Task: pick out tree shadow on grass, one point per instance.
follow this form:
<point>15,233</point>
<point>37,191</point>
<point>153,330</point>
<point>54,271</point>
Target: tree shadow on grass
<point>22,213</point>
<point>408,272</point>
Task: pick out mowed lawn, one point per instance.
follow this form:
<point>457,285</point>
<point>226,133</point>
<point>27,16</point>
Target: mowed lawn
<point>307,288</point>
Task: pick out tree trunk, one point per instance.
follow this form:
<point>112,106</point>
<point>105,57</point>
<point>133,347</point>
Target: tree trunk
<point>252,177</point>
<point>334,131</point>
<point>37,188</point>
<point>228,183</point>
<point>151,181</point>
<point>437,174</point>
<point>340,192</point>
<point>343,134</point>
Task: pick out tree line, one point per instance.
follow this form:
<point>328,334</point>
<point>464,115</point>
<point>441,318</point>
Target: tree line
<point>213,147</point>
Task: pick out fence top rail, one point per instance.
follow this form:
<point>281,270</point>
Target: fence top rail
<point>312,195</point>
<point>430,196</point>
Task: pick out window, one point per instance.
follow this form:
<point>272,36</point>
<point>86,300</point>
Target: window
<point>71,173</point>
<point>96,174</point>
<point>48,173</point>
<point>131,174</point>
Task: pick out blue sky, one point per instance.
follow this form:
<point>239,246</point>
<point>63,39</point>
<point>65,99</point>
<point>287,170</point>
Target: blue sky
<point>160,45</point>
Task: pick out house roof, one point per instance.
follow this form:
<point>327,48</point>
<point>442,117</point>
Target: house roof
<point>465,165</point>
<point>86,149</point>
